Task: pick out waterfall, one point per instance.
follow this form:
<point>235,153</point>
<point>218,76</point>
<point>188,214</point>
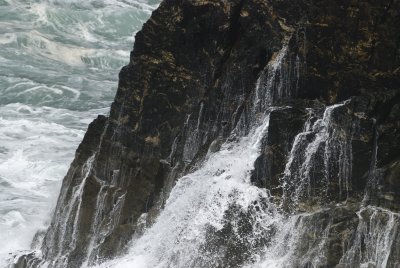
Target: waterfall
<point>300,239</point>
<point>323,144</point>
<point>215,217</point>
<point>198,203</point>
<point>68,218</point>
<point>214,198</point>
<point>223,147</point>
<point>217,205</point>
<point>376,240</point>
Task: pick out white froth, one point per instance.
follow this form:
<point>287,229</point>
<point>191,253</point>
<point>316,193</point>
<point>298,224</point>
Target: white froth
<point>59,67</point>
<point>34,158</point>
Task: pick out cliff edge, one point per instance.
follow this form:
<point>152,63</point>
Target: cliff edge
<point>189,85</point>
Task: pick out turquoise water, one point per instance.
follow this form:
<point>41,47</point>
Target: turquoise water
<point>59,64</point>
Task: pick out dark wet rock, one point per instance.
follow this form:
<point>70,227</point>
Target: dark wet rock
<point>190,82</point>
<point>284,125</point>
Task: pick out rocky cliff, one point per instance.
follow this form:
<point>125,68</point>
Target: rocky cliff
<point>330,161</point>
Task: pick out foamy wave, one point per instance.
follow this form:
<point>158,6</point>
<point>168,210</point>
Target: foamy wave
<point>34,159</point>
<point>59,65</point>
<point>8,38</point>
<point>35,42</point>
<point>62,119</point>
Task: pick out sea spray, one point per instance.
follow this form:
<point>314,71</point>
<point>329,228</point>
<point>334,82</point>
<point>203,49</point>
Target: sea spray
<point>59,67</point>
<point>200,201</point>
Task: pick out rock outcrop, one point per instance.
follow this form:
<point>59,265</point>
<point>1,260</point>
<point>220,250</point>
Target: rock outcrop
<point>188,85</point>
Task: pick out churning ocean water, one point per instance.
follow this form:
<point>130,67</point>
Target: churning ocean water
<point>59,64</point>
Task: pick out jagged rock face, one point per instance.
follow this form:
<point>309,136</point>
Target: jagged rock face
<point>182,60</point>
<point>188,85</point>
<point>352,47</point>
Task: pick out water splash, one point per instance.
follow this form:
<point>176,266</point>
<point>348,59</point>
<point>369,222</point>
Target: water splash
<point>202,202</point>
<point>59,67</point>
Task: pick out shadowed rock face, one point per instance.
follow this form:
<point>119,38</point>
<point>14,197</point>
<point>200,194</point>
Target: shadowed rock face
<point>191,76</point>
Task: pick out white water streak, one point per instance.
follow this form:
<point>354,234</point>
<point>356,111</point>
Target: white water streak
<point>200,200</point>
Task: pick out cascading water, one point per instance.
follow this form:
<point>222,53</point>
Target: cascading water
<point>323,141</point>
<point>214,216</point>
<point>300,239</point>
<point>69,217</point>
<point>201,201</point>
<point>375,240</point>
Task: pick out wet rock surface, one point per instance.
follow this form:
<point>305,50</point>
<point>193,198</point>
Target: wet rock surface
<point>188,86</point>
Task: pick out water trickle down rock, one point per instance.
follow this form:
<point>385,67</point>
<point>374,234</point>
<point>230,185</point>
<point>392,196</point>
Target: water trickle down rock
<point>204,59</point>
<point>320,153</point>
